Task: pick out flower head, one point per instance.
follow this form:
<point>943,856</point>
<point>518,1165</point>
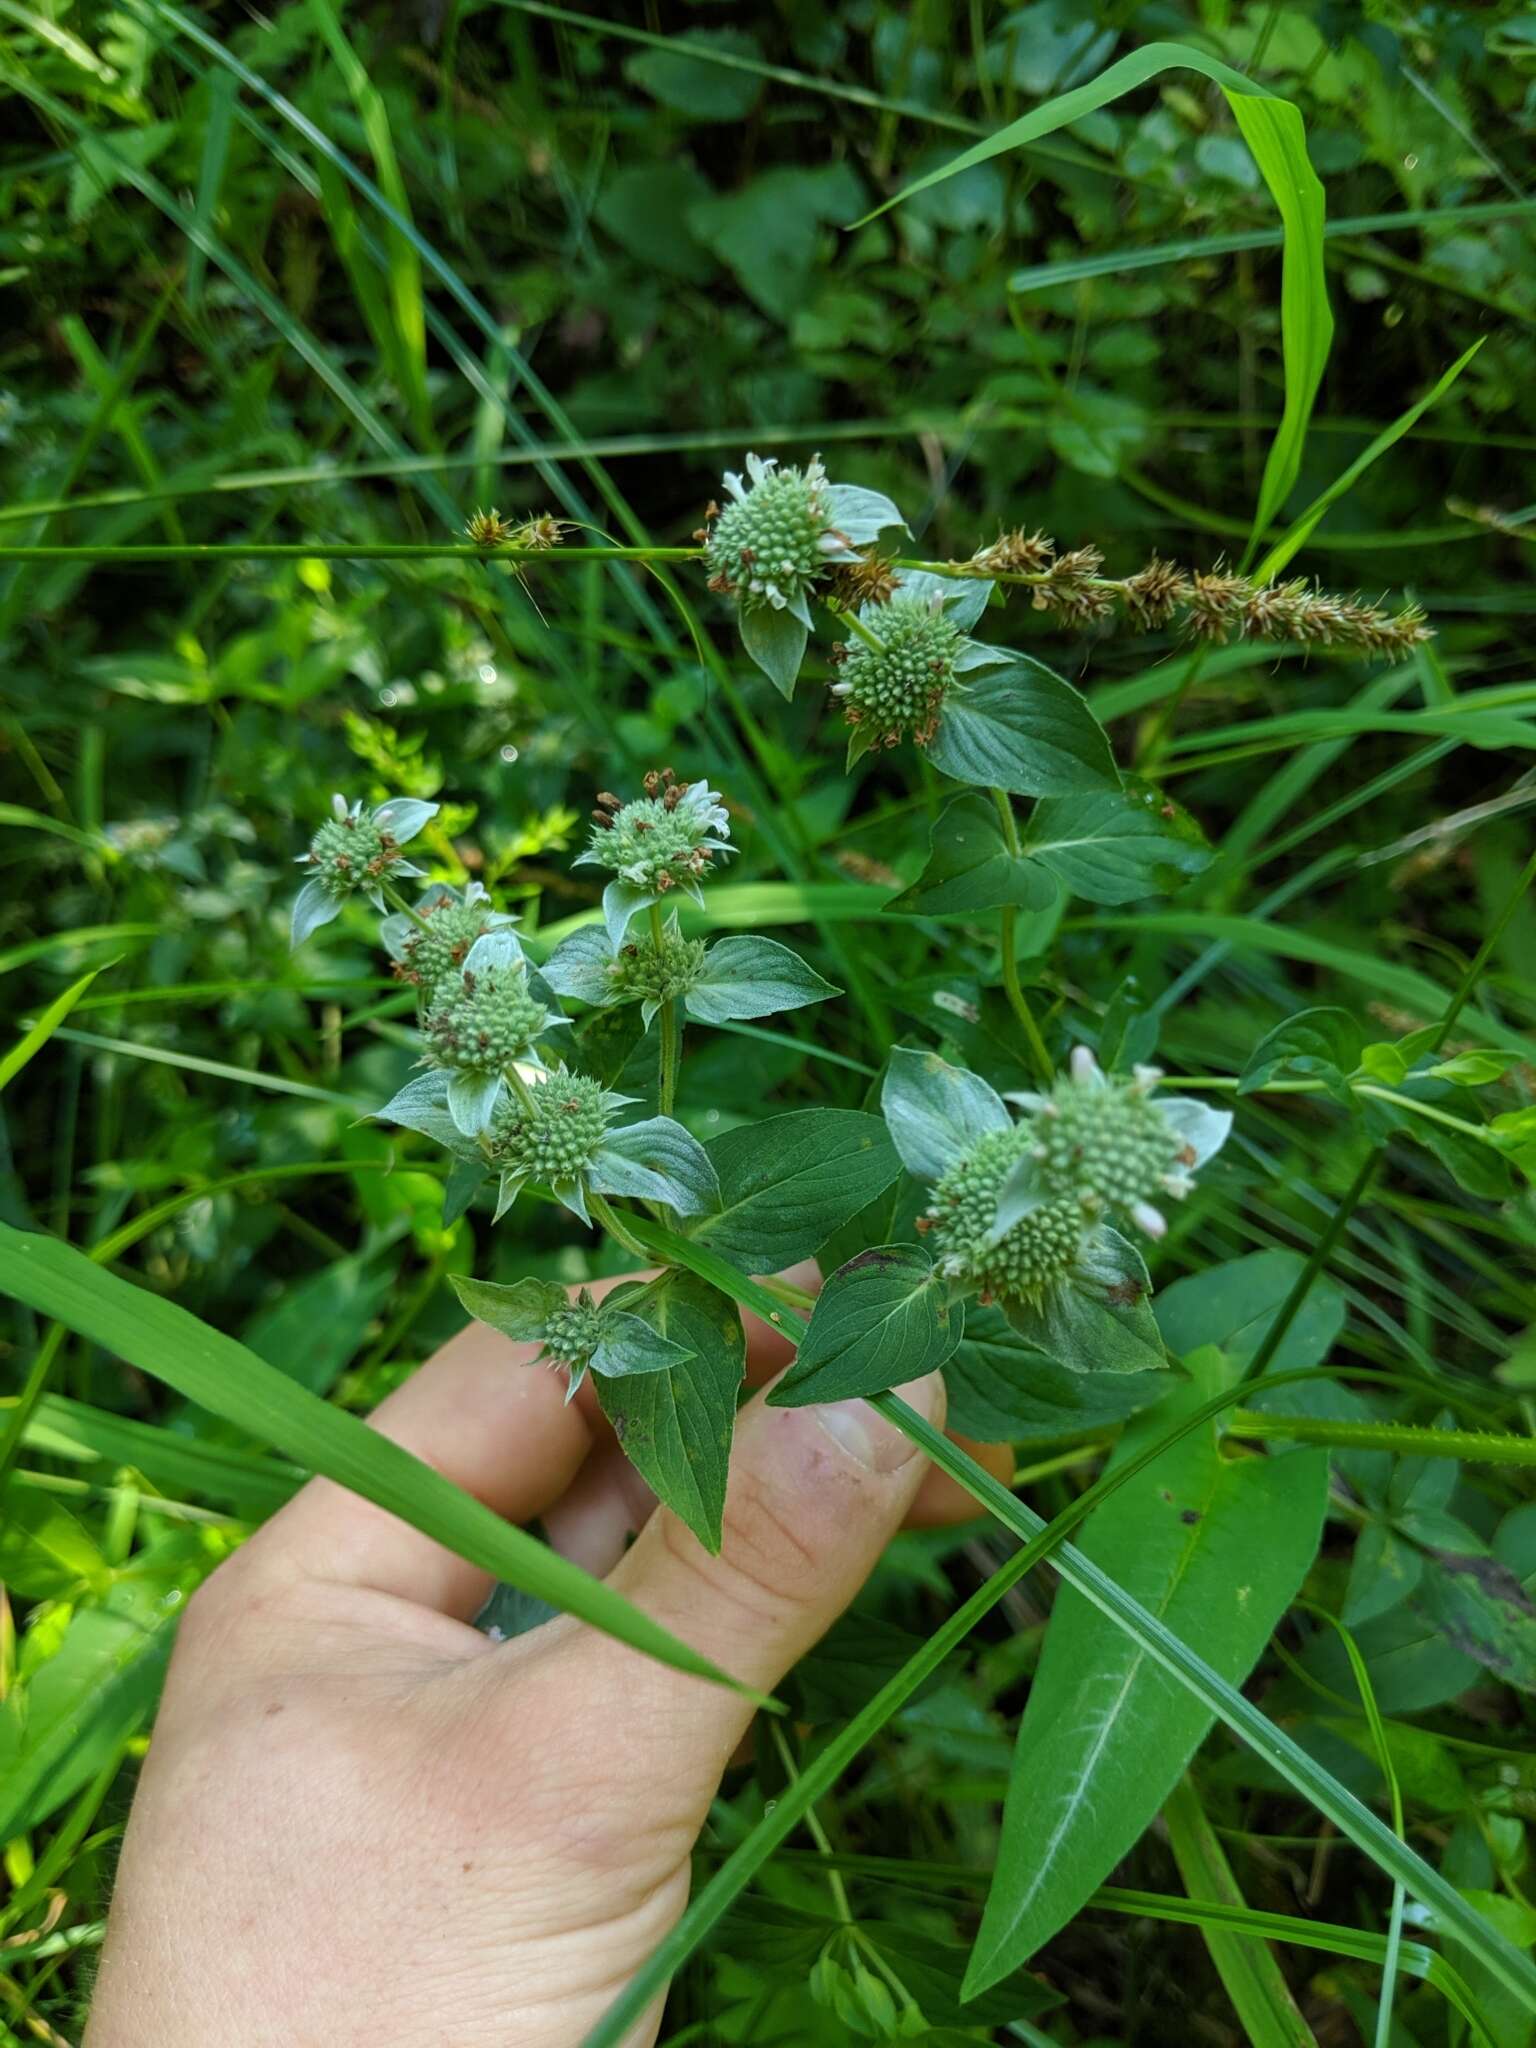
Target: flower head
<point>665,840</point>
<point>781,535</point>
<point>1032,1255</point>
<point>436,940</point>
<point>555,1135</point>
<point>355,850</point>
<point>1106,1142</point>
<point>573,1335</point>
<point>481,1019</point>
<point>897,688</point>
<point>776,537</point>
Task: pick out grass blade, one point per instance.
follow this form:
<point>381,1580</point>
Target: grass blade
<point>232,1382</point>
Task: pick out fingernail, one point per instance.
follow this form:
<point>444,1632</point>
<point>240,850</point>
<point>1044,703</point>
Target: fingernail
<point>868,1438</point>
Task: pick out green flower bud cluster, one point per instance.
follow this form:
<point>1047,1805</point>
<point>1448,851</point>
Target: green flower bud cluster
<point>899,687</point>
<point>1106,1141</point>
<point>643,972</point>
<point>350,852</point>
<point>553,1136</point>
<point>1038,1251</point>
<point>573,1333</point>
<point>662,840</point>
<point>483,1018</point>
<point>771,543</point>
<point>439,940</point>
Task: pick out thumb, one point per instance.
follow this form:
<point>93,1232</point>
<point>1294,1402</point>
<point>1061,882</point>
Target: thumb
<point>814,1496</point>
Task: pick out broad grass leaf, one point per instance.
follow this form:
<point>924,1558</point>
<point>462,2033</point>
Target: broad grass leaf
<point>1273,130</point>
<point>46,1553</point>
<point>208,1368</point>
<point>1216,1550</point>
<point>787,1183</point>
<point>1115,846</point>
<point>676,1425</point>
<point>881,1320</point>
<point>971,867</point>
<point>1021,728</point>
<point>1002,1389</point>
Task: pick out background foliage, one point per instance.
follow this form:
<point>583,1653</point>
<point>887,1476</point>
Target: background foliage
<point>608,267</point>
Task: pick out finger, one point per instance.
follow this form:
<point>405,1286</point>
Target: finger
<point>601,1512</point>
<point>814,1496</point>
<point>487,1419</point>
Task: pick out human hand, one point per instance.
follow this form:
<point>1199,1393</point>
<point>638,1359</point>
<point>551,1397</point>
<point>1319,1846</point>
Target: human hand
<point>362,1820</point>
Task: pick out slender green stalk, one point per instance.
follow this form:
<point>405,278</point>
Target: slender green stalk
<point>604,1213</point>
<point>326,551</point>
<point>1317,1260</point>
<point>1483,954</point>
<point>1476,1447</point>
<point>671,1029</point>
<point>1018,1002</point>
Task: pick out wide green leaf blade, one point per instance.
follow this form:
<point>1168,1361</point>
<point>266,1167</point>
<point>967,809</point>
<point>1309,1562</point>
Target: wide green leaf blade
<point>676,1425</point>
<point>1215,1550</point>
<point>1022,728</point>
<point>880,1321</point>
<point>787,1183</point>
<point>224,1377</point>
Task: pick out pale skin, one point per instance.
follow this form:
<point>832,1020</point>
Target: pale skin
<point>362,1821</point>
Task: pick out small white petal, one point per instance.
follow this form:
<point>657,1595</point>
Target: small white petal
<point>338,805</point>
<point>1084,1066</point>
<point>1151,1220</point>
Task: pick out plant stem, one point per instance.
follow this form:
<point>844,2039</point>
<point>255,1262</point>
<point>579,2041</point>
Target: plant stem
<point>1473,1445</point>
<point>1317,1259</point>
<point>671,1028</point>
<point>1007,939</point>
<point>814,1829</point>
<point>1481,957</point>
<point>518,1085</point>
<point>392,895</point>
<point>609,1218</point>
<point>321,551</point>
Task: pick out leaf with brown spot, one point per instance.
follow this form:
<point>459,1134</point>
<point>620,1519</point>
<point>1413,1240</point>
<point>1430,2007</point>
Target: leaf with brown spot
<point>1481,1609</point>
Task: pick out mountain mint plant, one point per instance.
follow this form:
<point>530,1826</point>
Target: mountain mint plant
<point>1015,1206</point>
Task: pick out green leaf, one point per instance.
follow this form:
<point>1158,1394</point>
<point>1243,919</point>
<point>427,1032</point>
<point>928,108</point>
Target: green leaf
<point>1100,1319</point>
<point>38,1033</point>
<point>1001,1389</point>
<point>657,1161</point>
<point>65,1723</point>
<point>695,86</point>
<point>1323,1044</point>
<point>789,1182</point>
<point>316,1326</point>
<point>1299,532</point>
<point>971,867</point>
<point>1249,1971</point>
<point>629,1344</point>
<point>1475,1069</point>
<point>1117,845</point>
<point>752,977</point>
<point>1021,728</point>
<point>936,1112</point>
<point>881,1320</point>
<point>519,1309</point>
<point>1216,1551</point>
<point>45,1553</point>
<point>1273,130</point>
<point>1483,1610</point>
<point>163,1340</point>
<point>775,640</point>
<point>676,1425</point>
<point>1232,1306</point>
<point>769,230</point>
